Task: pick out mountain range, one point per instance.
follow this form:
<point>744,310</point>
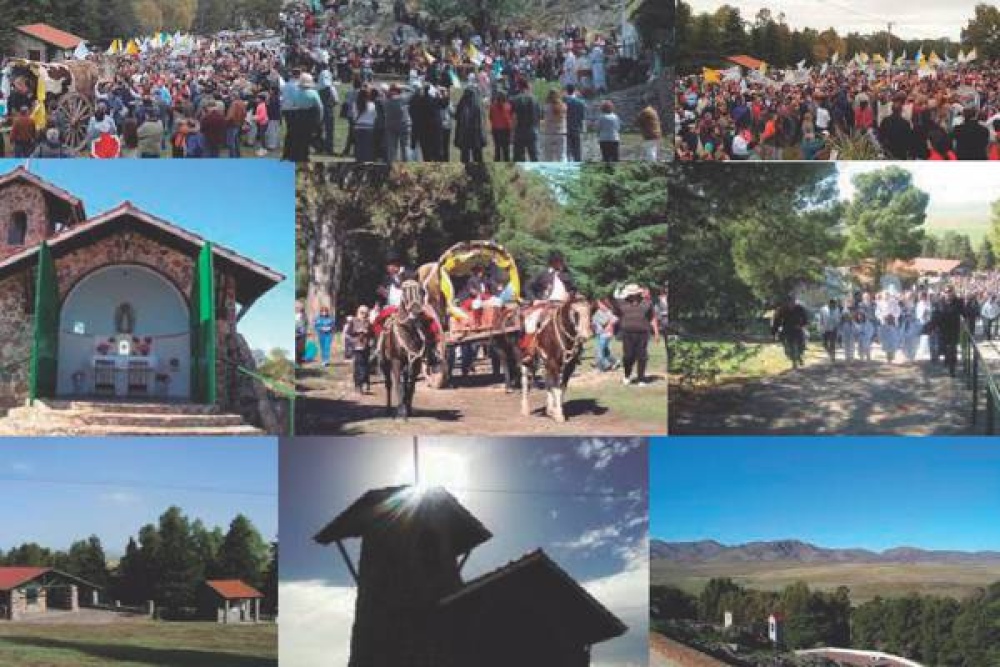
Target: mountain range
<point>785,551</point>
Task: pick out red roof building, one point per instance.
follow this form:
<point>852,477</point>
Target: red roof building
<point>51,36</point>
<point>746,61</point>
<point>13,577</point>
<point>231,601</point>
<point>29,591</point>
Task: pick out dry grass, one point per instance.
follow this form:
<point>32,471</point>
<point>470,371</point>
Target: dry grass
<point>866,580</point>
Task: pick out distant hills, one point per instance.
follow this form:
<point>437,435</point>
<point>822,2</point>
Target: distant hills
<point>796,551</point>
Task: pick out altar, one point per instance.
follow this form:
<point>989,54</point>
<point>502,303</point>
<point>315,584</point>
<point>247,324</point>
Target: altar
<point>124,376</point>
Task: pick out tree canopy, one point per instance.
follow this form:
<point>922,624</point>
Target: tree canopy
<point>709,37</point>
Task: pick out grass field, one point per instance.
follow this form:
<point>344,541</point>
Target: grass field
<point>866,580</point>
<point>138,645</point>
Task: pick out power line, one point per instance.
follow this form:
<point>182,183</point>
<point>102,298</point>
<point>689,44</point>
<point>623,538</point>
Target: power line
<point>138,485</point>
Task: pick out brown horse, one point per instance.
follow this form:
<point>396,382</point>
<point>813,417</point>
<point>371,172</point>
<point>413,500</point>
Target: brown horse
<point>402,346</point>
<point>557,344</point>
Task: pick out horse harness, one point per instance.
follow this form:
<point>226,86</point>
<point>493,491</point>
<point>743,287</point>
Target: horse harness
<point>569,353</point>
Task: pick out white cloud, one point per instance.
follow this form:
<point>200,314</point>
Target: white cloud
<point>626,594</point>
<point>603,452</point>
<point>21,467</point>
<point>120,497</point>
<point>315,624</point>
<point>594,538</point>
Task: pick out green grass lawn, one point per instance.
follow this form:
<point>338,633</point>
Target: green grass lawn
<point>139,644</point>
<point>646,404</point>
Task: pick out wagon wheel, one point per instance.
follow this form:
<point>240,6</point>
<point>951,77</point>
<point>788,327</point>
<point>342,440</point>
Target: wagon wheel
<point>77,110</point>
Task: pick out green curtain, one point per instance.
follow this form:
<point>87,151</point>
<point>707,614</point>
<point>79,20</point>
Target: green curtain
<point>203,330</point>
<point>45,344</point>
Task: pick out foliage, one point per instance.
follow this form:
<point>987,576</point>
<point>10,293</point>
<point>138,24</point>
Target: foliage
<point>698,363</point>
<point>100,21</point>
<point>983,31</point>
<point>707,38</point>
<point>277,366</point>
<point>854,147</point>
<point>608,223</point>
<point>740,238</point>
<point>886,217</point>
<point>669,603</point>
<point>168,563</point>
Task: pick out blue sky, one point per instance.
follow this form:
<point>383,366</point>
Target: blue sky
<point>874,493</point>
<point>582,500</point>
<point>246,205</point>
<point>57,491</point>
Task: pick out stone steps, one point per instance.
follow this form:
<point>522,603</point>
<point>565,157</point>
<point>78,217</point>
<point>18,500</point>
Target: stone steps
<point>95,418</point>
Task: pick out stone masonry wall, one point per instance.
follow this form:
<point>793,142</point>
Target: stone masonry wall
<point>21,197</point>
<point>15,338</point>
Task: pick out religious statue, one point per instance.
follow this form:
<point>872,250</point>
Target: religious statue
<point>124,319</point>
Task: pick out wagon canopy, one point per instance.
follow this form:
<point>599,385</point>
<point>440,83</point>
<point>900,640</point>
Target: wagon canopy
<point>459,260</point>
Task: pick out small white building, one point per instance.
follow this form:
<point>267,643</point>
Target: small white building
<point>232,601</point>
<point>776,628</point>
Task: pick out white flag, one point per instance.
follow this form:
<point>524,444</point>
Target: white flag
<point>801,64</point>
<point>81,51</point>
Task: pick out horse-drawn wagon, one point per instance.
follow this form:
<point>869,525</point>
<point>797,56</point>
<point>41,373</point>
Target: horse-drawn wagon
<point>67,89</point>
<point>485,318</point>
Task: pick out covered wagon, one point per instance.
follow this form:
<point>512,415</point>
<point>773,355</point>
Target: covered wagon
<point>66,89</point>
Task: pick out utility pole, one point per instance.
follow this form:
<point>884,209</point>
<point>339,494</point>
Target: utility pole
<point>416,463</point>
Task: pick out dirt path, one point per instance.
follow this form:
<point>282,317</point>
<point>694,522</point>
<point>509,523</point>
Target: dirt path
<point>871,398</point>
<point>477,406</point>
<point>664,652</point>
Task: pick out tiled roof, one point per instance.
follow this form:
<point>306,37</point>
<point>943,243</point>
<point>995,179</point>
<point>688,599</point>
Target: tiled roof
<point>233,589</point>
<point>746,61</point>
<point>12,577</point>
<point>49,35</point>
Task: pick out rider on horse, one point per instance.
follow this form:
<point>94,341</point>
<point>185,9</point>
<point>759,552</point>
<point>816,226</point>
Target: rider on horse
<point>551,288</point>
<point>391,291</point>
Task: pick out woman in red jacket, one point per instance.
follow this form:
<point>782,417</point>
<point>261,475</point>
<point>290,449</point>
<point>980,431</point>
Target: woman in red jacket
<point>501,125</point>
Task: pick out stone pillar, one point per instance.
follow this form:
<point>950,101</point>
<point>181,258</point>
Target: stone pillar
<point>151,608</point>
<point>74,598</point>
<point>225,617</point>
<point>256,610</point>
<point>95,598</point>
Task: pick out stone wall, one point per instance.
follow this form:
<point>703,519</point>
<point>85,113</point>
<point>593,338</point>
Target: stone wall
<point>125,248</point>
<point>24,198</point>
<point>122,248</point>
<point>15,339</point>
<point>19,603</point>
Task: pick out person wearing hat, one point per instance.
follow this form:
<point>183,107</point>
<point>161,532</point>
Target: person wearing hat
<point>306,120</point>
<point>636,322</point>
<point>551,287</point>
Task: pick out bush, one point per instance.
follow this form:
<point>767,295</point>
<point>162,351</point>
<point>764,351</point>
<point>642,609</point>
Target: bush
<point>698,363</point>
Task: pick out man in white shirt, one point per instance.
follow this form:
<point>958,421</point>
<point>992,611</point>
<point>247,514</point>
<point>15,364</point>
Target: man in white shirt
<point>829,318</point>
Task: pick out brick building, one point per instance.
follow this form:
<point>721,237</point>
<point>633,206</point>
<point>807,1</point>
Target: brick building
<point>120,305</point>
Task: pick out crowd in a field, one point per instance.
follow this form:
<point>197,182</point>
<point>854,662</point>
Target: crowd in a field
<point>208,97</point>
<point>530,97</point>
<point>922,323</point>
<point>942,113</point>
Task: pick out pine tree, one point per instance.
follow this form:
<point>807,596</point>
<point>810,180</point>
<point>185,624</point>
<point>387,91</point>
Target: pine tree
<point>244,553</point>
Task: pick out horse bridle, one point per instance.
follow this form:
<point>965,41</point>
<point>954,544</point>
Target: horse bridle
<point>562,335</point>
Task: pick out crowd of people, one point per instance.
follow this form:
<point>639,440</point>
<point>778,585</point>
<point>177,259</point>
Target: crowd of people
<point>923,323</point>
<point>213,97</point>
<point>632,315</point>
<point>943,113</point>
<point>531,98</point>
